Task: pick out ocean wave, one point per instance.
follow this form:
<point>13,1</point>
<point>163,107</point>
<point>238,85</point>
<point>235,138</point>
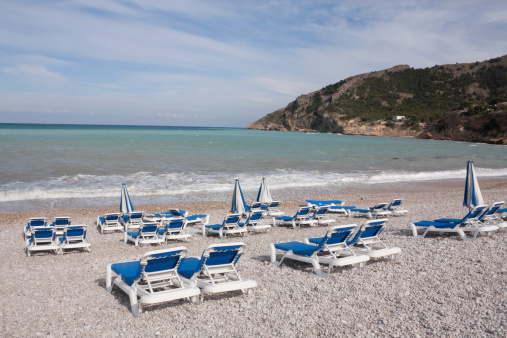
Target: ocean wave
<point>191,185</point>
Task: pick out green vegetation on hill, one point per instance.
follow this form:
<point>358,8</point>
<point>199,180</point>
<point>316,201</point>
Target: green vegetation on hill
<point>421,95</point>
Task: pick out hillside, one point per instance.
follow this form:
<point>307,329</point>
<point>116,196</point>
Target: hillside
<point>457,101</point>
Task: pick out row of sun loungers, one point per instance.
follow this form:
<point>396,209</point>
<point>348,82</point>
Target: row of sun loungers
<point>125,222</point>
<point>166,275</point>
<point>57,236</point>
<point>482,219</point>
<point>342,245</point>
<point>378,210</point>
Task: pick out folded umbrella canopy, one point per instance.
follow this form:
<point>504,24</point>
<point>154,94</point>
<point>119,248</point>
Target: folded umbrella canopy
<point>238,205</point>
<point>473,196</point>
<point>264,196</point>
<point>126,206</point>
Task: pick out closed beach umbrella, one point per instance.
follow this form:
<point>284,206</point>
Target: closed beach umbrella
<point>264,196</point>
<point>126,206</point>
<point>473,196</point>
<point>238,205</point>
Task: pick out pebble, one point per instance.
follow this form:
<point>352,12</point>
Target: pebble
<point>290,301</point>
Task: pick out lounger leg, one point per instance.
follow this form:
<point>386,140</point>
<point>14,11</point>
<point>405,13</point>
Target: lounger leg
<point>109,276</point>
<point>414,230</point>
<point>318,270</point>
<point>274,222</point>
<point>272,251</point>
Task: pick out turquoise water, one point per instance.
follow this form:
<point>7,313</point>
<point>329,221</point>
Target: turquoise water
<point>61,166</point>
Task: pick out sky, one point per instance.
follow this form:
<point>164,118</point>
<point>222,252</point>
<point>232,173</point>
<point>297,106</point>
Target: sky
<point>217,63</point>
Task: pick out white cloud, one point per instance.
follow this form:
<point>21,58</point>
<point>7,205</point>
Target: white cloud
<point>236,61</point>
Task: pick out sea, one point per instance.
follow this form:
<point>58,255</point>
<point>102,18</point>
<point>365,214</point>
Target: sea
<point>81,166</point>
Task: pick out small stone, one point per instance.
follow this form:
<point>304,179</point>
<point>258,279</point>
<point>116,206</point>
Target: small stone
<point>384,321</point>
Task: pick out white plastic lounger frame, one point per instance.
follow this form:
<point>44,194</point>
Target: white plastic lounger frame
<point>321,216</point>
<point>74,237</point>
<point>367,241</point>
<point>229,226</point>
<point>133,220</point>
<point>329,251</point>
<point>147,234</point>
<point>42,239</point>
<point>173,228</point>
<point>253,222</point>
<point>395,208</point>
<point>215,271</point>
<point>378,210</point>
<point>60,223</point>
<point>467,224</point>
<point>153,279</point>
<point>272,209</point>
<point>33,223</point>
<point>491,216</point>
<point>302,217</point>
<point>110,222</point>
<point>199,219</point>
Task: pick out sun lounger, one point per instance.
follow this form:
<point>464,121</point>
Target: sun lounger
<point>329,250</point>
<point>272,209</point>
<point>321,216</point>
<point>367,241</point>
<point>302,217</point>
<point>146,234</point>
<point>151,280</point>
<point>74,237</point>
<point>466,224</point>
<point>253,222</point>
<point>33,223</point>
<point>201,219</point>
<point>229,226</point>
<point>215,271</point>
<point>133,220</point>
<point>319,203</point>
<point>173,228</point>
<point>60,223</point>
<point>395,208</point>
<point>378,210</point>
<point>41,239</point>
<point>109,222</point>
<point>335,206</point>
<point>492,215</point>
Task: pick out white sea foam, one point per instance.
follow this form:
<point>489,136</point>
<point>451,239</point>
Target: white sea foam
<point>192,185</point>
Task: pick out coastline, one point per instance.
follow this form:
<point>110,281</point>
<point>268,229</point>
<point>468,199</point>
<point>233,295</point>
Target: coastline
<point>438,285</point>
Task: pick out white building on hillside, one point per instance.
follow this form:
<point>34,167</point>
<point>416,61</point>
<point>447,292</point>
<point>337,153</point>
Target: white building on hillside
<point>398,118</point>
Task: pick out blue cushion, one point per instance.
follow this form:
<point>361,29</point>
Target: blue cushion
<point>188,266</point>
<point>194,217</point>
<point>447,220</point>
<point>362,210</point>
<point>285,218</point>
<point>127,270</point>
<point>214,226</point>
<point>297,247</point>
<point>435,224</point>
<point>134,234</point>
<point>346,207</point>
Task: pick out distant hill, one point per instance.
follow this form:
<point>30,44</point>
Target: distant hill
<point>458,101</point>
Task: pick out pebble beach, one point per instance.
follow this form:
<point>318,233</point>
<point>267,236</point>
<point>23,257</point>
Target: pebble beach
<point>437,286</point>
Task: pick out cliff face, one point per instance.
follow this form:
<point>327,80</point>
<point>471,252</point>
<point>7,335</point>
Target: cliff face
<point>461,101</point>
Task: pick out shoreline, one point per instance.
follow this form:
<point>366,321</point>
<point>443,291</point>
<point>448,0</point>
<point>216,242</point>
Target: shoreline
<point>439,285</point>
<point>347,193</point>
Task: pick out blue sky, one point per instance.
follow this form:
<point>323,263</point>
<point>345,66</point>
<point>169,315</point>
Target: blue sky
<point>217,63</point>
